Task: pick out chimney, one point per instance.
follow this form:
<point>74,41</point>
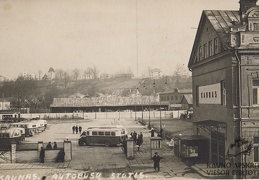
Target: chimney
<point>245,5</point>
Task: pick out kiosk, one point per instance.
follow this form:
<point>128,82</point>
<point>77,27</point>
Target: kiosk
<point>192,148</point>
<point>155,146</point>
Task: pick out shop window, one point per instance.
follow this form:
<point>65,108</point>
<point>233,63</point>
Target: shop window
<point>210,48</point>
<point>255,91</point>
<point>189,151</point>
<point>205,50</point>
<point>223,93</point>
<point>216,49</point>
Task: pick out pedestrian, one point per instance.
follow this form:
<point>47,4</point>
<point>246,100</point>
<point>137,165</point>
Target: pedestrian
<point>139,140</point>
<point>42,155</point>
<point>161,133</point>
<point>55,145</point>
<point>158,134</point>
<point>135,136</point>
<point>61,156</point>
<point>73,129</point>
<point>49,146</point>
<point>156,159</point>
<point>76,129</point>
<point>80,129</point>
<point>152,132</point>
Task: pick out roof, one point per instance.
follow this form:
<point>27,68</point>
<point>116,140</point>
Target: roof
<point>210,123</point>
<point>183,91</point>
<point>188,98</point>
<point>221,21</point>
<point>78,95</point>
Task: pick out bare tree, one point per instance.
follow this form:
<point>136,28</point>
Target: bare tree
<point>76,73</point>
<point>66,79</point>
<point>39,72</point>
<point>51,72</point>
<point>89,72</point>
<point>95,72</point>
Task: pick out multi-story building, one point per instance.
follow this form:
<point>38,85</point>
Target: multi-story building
<point>225,76</point>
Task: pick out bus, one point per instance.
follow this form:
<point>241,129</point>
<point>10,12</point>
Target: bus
<point>30,127</point>
<point>10,135</point>
<point>107,135</point>
<point>40,124</point>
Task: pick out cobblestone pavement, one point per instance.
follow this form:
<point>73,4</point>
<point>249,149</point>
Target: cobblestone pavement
<point>100,159</point>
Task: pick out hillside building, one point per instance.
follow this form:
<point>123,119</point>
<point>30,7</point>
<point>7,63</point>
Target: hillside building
<point>225,76</point>
<point>174,99</point>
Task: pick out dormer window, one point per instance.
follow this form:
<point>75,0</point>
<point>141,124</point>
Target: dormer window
<point>253,20</point>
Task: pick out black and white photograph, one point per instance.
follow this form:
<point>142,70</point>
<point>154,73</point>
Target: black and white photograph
<point>129,89</point>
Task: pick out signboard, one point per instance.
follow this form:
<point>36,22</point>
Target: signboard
<point>210,94</point>
<point>249,39</point>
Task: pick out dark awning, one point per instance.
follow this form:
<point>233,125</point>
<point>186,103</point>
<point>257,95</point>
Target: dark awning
<point>211,125</point>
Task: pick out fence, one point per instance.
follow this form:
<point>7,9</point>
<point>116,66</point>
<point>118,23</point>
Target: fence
<point>105,115</point>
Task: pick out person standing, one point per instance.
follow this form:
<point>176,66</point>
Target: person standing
<point>135,136</point>
<point>80,129</point>
<point>156,159</point>
<point>73,129</point>
<point>49,146</point>
<point>139,140</point>
<point>152,132</point>
<point>76,129</point>
<point>42,155</point>
<point>55,145</point>
<point>161,133</point>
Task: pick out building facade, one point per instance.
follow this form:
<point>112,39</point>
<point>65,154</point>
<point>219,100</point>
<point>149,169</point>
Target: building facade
<point>225,76</point>
<point>173,98</point>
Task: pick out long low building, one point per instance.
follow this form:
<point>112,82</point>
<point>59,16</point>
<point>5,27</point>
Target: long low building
<point>107,103</point>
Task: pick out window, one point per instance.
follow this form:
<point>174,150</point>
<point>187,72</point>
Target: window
<point>205,50</point>
<point>216,46</point>
<point>200,53</point>
<point>172,97</point>
<point>197,95</point>
<point>210,48</point>
<point>94,133</point>
<point>223,92</point>
<point>107,133</point>
<point>100,133</point>
<point>112,133</point>
<point>255,91</point>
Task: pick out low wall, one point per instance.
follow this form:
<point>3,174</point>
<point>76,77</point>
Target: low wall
<point>34,156</point>
<point>28,155</point>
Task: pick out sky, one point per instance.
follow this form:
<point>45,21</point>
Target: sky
<point>116,36</point>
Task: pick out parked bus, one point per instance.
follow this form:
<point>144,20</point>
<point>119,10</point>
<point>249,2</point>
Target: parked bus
<point>40,124</point>
<point>107,135</point>
<point>30,127</point>
<point>9,136</point>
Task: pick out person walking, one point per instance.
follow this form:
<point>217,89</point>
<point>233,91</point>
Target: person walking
<point>49,146</point>
<point>42,155</point>
<point>80,129</point>
<point>73,129</point>
<point>156,159</point>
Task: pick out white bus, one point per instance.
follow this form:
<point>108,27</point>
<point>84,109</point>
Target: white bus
<point>107,135</point>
